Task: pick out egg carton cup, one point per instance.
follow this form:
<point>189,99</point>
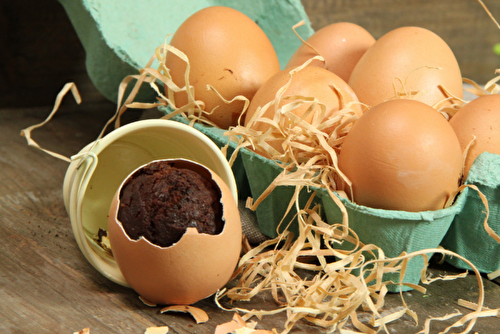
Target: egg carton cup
<point>467,235</point>
<point>395,232</point>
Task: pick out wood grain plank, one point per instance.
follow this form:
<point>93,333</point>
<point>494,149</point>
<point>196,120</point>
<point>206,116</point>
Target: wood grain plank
<point>44,276</point>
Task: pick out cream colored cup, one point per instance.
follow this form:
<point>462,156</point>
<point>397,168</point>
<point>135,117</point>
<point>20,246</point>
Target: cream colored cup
<point>97,171</point>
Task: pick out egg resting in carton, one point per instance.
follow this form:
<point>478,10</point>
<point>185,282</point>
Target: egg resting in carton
<point>117,45</point>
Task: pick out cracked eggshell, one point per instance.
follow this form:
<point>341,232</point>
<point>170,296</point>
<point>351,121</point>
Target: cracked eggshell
<point>188,271</point>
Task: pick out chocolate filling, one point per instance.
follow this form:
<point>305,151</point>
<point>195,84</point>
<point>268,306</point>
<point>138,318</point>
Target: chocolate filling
<point>160,201</point>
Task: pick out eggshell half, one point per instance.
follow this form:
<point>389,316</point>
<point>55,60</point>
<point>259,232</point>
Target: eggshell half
<point>190,270</point>
<point>227,50</point>
<point>480,118</point>
<point>402,155</point>
<point>341,44</point>
<point>415,56</point>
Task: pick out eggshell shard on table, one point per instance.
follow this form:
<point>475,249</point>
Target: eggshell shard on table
<point>198,314</point>
<point>157,330</point>
<point>402,155</point>
<point>190,270</point>
<point>477,125</point>
<point>341,44</point>
<point>410,62</point>
<point>227,50</point>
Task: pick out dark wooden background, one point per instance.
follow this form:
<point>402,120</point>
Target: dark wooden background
<point>40,52</point>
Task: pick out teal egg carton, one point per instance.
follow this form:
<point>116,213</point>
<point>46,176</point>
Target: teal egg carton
<point>120,38</point>
<point>393,231</point>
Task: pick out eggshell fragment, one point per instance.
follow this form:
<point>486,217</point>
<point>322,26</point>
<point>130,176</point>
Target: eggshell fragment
<point>478,120</point>
<point>191,269</point>
<point>402,155</point>
<point>227,50</point>
<point>410,62</point>
<point>198,314</point>
<point>157,330</point>
<point>341,44</point>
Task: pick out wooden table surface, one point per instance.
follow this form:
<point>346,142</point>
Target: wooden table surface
<point>46,284</point>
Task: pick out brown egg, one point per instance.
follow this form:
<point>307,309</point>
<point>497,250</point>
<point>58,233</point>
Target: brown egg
<point>416,56</point>
<point>341,44</point>
<point>191,269</point>
<point>227,50</point>
<point>480,118</point>
<point>311,81</point>
<point>402,155</point>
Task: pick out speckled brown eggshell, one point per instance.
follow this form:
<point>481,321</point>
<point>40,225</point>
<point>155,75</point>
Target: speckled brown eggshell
<point>341,44</point>
<point>311,81</point>
<point>402,155</point>
<point>480,118</point>
<point>227,50</point>
<point>416,56</point>
<point>190,270</point>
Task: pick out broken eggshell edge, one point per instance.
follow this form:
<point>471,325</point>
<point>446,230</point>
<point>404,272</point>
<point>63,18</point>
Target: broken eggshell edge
<point>190,270</point>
